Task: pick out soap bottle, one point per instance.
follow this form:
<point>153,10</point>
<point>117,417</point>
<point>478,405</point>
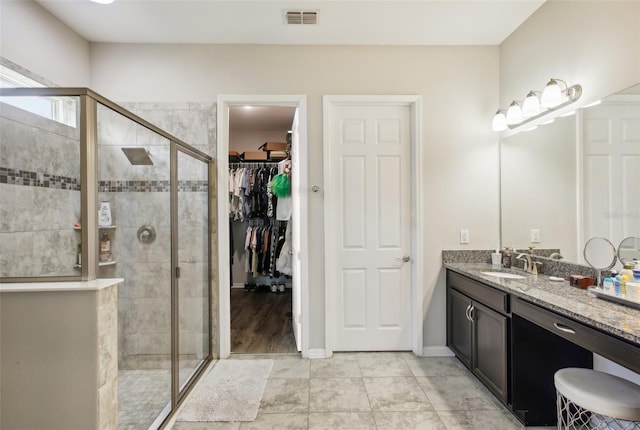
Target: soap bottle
<point>105,248</point>
<point>506,258</point>
<point>627,269</point>
<point>623,285</point>
<point>79,255</point>
<point>607,286</point>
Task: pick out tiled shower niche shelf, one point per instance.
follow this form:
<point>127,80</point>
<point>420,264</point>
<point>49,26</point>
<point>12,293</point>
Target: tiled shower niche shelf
<point>104,263</point>
<point>101,264</point>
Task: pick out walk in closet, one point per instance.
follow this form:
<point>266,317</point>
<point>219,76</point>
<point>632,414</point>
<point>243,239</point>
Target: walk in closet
<point>260,230</point>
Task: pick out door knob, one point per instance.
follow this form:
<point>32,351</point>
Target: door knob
<point>404,259</point>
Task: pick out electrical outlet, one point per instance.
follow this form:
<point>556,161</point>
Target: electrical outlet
<point>464,236</point>
<point>535,235</point>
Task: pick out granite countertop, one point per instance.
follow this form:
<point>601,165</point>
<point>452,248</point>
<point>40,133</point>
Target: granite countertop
<point>560,297</point>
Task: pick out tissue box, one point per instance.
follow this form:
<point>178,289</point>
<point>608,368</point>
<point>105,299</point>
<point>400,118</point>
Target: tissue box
<point>580,281</point>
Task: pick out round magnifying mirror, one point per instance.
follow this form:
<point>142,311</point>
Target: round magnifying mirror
<point>600,253</point>
<point>629,250</point>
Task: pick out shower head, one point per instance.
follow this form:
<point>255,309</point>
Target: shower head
<point>138,156</point>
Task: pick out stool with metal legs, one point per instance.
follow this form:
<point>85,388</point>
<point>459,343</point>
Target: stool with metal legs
<point>588,400</point>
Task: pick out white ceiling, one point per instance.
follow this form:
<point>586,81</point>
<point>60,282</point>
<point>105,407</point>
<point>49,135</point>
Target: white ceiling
<point>261,118</point>
<point>355,22</point>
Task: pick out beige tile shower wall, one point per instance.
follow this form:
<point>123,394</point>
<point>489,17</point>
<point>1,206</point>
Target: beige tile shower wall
<point>144,309</point>
<point>36,214</point>
<point>108,358</point>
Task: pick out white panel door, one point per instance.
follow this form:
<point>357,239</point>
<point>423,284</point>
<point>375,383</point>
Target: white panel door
<point>611,136</point>
<point>296,285</point>
<point>370,224</point>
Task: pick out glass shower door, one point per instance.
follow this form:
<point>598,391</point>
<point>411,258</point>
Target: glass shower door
<point>192,275</point>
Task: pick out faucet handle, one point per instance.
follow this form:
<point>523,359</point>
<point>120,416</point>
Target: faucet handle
<point>535,265</point>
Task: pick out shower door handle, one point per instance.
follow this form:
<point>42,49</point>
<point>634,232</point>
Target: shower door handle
<point>177,272</point>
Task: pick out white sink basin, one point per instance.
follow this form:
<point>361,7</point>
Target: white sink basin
<point>504,275</point>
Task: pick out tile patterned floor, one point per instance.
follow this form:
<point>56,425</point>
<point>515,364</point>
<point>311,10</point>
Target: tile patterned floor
<point>371,391</point>
<point>142,394</point>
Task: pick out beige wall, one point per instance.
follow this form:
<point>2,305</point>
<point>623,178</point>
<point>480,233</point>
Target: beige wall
<point>36,40</point>
<point>593,43</point>
<point>459,87</point>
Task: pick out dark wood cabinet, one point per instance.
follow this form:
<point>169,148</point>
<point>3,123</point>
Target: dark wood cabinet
<point>515,347</point>
<point>459,326</point>
<point>478,334</point>
<point>490,349</point>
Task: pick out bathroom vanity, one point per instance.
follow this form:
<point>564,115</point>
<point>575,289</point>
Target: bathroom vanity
<point>58,360</point>
<point>514,334</point>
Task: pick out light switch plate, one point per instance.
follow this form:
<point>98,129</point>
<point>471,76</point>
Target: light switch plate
<point>464,236</point>
<point>535,235</point>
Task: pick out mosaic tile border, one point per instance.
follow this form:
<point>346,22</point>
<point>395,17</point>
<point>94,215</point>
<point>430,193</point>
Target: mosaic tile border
<point>45,180</point>
<point>151,186</point>
<point>34,179</point>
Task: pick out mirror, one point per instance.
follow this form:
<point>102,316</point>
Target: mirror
<point>574,179</point>
<point>600,254</point>
<point>629,250</point>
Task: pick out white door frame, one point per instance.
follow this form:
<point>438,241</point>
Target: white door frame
<point>222,162</point>
<point>414,102</point>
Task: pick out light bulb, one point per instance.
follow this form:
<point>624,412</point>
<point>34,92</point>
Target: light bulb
<point>531,105</point>
<point>514,113</point>
<point>499,121</point>
<point>552,94</point>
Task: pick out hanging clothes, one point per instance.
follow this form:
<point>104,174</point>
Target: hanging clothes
<point>284,262</point>
<point>249,193</point>
<point>263,246</point>
<point>284,206</point>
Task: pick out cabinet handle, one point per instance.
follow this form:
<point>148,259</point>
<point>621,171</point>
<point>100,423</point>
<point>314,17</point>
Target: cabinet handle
<point>471,309</point>
<point>564,328</point>
<point>466,312</point>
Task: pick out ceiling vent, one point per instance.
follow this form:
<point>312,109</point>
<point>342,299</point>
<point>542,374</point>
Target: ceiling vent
<point>300,17</point>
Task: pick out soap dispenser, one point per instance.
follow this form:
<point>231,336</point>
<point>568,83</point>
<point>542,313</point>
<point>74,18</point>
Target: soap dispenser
<point>506,258</point>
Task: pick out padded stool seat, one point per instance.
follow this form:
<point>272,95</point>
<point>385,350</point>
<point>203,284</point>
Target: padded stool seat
<point>591,399</point>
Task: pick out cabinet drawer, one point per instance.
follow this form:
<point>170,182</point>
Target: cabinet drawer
<point>623,353</point>
<point>488,296</point>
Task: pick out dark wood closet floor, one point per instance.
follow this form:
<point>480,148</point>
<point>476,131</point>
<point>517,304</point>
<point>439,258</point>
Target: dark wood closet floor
<point>261,322</point>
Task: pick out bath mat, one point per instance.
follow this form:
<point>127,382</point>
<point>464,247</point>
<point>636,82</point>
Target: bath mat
<point>230,391</point>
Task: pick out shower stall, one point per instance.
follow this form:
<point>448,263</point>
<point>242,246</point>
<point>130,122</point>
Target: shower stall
<point>88,190</point>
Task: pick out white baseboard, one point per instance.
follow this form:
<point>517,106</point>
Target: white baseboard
<point>317,353</point>
<point>437,351</point>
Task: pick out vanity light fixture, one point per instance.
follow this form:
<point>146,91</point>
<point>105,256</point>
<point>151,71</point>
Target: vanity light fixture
<point>514,113</point>
<point>552,94</point>
<point>552,99</point>
<point>499,121</point>
<point>531,105</point>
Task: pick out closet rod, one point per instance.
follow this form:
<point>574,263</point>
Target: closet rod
<point>254,164</point>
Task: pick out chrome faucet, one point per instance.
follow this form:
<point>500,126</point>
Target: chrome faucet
<point>529,265</point>
<point>527,261</point>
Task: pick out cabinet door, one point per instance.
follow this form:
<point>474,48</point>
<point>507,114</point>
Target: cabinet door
<point>459,326</point>
<point>490,349</point>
